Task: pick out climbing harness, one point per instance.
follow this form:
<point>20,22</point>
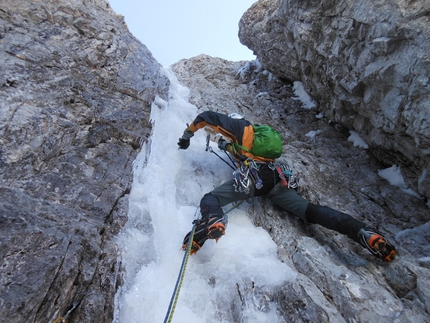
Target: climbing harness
<point>63,319</point>
<point>247,171</point>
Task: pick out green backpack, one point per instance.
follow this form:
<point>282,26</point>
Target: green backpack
<point>267,142</point>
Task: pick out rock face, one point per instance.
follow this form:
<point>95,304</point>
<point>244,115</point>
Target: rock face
<point>75,94</point>
<point>338,281</point>
<point>366,62</point>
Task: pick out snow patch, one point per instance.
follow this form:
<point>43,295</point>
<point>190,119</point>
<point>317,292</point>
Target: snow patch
<point>251,66</point>
<point>313,133</point>
<point>356,140</point>
<point>394,176</point>
<point>303,96</point>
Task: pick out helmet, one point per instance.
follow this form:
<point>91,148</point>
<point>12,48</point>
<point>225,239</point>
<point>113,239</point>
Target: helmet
<point>236,116</point>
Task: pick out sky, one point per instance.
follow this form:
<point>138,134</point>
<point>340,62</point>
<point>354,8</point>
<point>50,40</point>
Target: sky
<point>173,30</point>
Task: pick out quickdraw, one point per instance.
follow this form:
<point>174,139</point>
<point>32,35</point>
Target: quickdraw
<point>254,168</point>
<point>241,176</point>
<point>286,175</point>
<point>241,179</point>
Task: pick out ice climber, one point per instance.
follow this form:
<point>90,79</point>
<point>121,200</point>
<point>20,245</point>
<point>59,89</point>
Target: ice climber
<point>255,149</point>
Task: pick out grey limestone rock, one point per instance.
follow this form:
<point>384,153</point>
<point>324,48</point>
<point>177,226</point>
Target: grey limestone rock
<point>365,62</point>
<point>75,94</point>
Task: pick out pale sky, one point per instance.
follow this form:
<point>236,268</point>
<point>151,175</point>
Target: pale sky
<point>177,29</point>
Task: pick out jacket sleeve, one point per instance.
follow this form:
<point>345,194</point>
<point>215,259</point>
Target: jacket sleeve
<point>239,131</point>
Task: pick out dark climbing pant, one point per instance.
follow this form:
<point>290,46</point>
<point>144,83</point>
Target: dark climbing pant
<point>289,200</point>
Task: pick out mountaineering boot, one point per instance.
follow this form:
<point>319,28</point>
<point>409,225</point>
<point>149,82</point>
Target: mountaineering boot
<point>212,228</point>
<point>216,228</point>
<point>377,244</point>
<point>197,243</point>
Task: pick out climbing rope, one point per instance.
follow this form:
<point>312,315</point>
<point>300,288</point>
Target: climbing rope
<point>209,148</point>
<point>233,207</point>
<point>174,299</point>
<point>175,295</point>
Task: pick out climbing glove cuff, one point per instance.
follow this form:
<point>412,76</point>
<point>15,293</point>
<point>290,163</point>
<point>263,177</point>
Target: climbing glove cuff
<point>187,134</point>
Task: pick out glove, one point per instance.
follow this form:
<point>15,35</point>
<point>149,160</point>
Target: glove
<point>213,228</point>
<point>184,142</point>
<point>223,144</point>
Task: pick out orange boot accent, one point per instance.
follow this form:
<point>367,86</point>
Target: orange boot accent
<point>216,231</point>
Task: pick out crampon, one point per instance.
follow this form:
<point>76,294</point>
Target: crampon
<point>377,244</point>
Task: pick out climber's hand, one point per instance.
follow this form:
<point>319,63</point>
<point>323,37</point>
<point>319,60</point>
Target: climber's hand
<point>223,144</point>
<point>183,143</point>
